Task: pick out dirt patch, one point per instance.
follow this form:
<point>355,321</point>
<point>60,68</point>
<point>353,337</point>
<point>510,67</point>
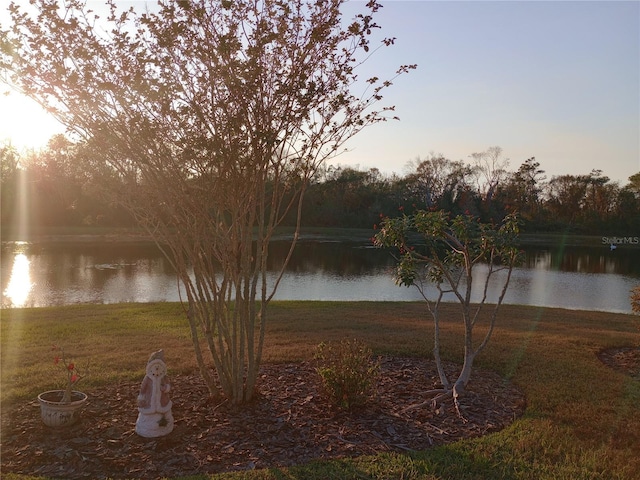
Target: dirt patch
<point>290,422</point>
<point>622,359</point>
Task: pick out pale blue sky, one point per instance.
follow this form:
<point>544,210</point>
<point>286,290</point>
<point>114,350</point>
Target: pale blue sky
<point>556,80</point>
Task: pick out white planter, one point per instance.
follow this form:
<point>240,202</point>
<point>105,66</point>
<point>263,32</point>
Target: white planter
<point>54,413</point>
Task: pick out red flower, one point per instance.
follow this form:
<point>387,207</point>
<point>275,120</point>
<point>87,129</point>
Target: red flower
<point>71,366</point>
<point>74,378</point>
<point>56,360</point>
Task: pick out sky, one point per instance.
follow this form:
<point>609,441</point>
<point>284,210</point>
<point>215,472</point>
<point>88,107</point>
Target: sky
<point>554,80</point>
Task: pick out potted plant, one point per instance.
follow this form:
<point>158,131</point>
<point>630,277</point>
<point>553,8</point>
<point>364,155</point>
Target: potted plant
<point>60,408</point>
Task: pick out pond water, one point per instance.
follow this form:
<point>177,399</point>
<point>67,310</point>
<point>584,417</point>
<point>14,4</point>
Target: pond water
<point>37,275</point>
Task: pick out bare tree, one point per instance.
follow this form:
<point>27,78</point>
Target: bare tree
<point>491,170</point>
<point>206,119</point>
<point>443,251</point>
<point>436,179</point>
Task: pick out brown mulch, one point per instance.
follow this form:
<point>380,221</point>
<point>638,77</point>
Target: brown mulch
<point>290,422</point>
<point>622,359</point>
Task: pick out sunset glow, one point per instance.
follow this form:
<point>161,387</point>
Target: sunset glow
<point>554,80</point>
<point>25,123</point>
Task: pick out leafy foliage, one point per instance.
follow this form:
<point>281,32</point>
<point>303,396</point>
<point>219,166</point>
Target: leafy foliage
<point>348,372</point>
<point>444,247</point>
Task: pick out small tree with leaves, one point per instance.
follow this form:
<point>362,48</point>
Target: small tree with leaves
<point>437,249</point>
<point>206,119</point>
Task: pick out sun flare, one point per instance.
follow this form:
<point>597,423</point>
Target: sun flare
<point>25,123</point>
<point>19,286</point>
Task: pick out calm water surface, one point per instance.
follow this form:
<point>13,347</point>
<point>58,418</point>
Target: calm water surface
<point>37,275</point>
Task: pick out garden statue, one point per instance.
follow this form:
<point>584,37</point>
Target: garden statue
<point>154,404</point>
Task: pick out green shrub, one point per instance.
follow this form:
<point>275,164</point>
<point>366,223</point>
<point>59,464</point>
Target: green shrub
<point>348,372</point>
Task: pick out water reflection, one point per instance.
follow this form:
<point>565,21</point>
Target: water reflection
<point>584,260</point>
<point>19,285</point>
<point>49,274</point>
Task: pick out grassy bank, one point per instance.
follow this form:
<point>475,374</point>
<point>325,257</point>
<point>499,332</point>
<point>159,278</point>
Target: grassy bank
<point>582,419</point>
<point>106,234</point>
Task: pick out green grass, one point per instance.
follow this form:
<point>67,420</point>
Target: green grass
<point>582,419</point>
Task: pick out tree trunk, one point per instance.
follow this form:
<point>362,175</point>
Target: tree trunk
<point>463,379</point>
<point>204,370</point>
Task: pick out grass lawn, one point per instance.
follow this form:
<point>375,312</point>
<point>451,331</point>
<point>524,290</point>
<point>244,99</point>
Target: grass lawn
<point>582,419</point>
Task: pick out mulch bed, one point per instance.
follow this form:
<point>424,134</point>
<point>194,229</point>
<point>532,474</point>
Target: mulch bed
<point>623,359</point>
<point>290,422</point>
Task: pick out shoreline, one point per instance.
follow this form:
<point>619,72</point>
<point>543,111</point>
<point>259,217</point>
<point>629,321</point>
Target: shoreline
<point>551,240</point>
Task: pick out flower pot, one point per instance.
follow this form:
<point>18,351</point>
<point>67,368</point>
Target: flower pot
<point>55,413</point>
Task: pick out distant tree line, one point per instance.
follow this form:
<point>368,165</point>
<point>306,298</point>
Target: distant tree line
<point>53,188</point>
<point>57,191</point>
